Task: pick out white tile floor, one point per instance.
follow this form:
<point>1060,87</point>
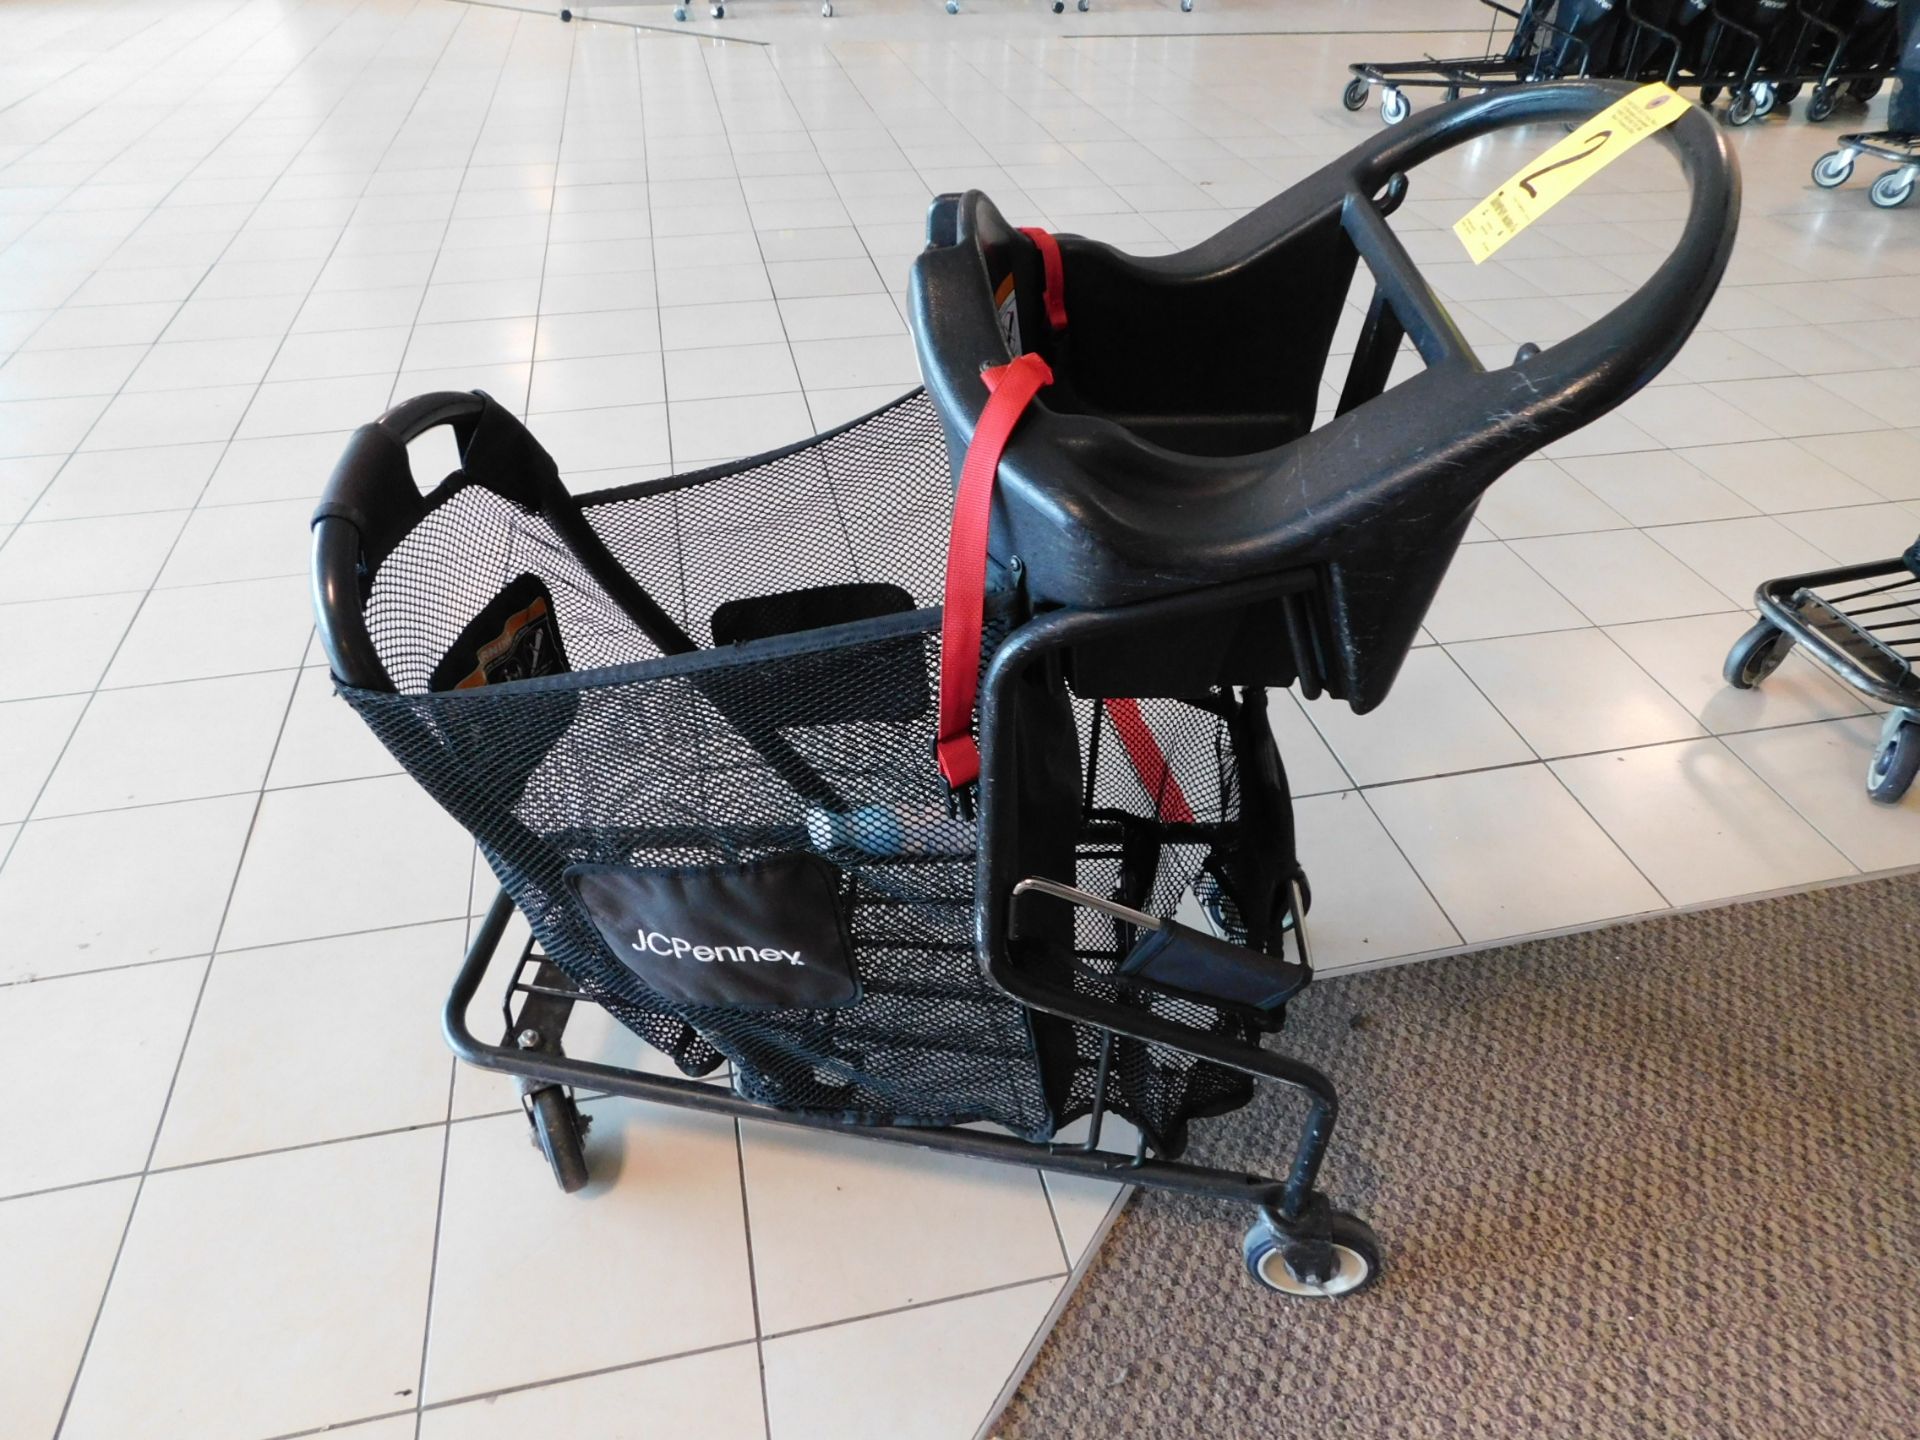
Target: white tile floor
<point>231,230</point>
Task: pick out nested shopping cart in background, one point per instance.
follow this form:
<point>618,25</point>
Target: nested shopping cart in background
<point>1860,623</point>
<point>919,804</point>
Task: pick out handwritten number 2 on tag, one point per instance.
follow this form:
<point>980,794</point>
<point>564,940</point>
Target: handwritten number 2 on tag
<point>1600,137</point>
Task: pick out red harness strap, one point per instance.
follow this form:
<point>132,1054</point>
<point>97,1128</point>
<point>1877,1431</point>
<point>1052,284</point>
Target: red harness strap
<point>1054,275</point>
<point>1013,388</point>
<point>1148,761</point>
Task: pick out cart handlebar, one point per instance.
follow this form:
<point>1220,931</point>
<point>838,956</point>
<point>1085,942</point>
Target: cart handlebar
<point>1615,354</point>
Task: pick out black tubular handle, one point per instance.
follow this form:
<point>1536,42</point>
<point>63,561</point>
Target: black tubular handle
<point>370,501</point>
<point>1630,343</point>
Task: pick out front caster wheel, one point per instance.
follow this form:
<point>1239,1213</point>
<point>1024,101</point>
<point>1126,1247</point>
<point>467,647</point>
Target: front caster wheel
<point>679,12</point>
<point>1891,189</point>
<point>1833,169</point>
<point>1186,5</point>
<point>1356,1259</point>
<point>718,12</point>
<point>559,1133</point>
<point>1354,97</point>
<point>1821,103</point>
<point>953,7</point>
<point>1742,108</point>
<point>565,15</point>
<point>1756,655</point>
<point>1763,100</point>
<point>826,10</point>
<point>1896,762</point>
<point>1394,105</point>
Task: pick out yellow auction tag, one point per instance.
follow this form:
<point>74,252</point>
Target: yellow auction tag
<point>1563,169</point>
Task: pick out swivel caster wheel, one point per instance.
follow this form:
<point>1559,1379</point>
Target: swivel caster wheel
<point>559,1133</point>
<point>1742,108</point>
<point>826,10</point>
<point>1821,103</point>
<point>1833,169</point>
<point>953,7</point>
<point>718,12</point>
<point>1394,105</point>
<point>1356,1259</point>
<point>1764,99</point>
<point>1354,97</point>
<point>1897,760</point>
<point>1756,655</point>
<point>1893,188</point>
<point>1059,6</point>
<point>1083,6</point>
<point>1865,90</point>
<point>565,16</point>
<point>680,12</point>
<point>1186,4</point>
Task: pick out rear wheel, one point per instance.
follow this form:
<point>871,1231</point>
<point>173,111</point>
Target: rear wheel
<point>1354,97</point>
<point>1865,90</point>
<point>1756,655</point>
<point>1821,103</point>
<point>1742,109</point>
<point>1833,169</point>
<point>1891,189</point>
<point>1394,106</point>
<point>559,1133</point>
<point>1895,763</point>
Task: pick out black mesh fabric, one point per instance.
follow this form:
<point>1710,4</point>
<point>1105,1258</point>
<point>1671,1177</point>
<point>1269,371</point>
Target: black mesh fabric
<point>820,740</point>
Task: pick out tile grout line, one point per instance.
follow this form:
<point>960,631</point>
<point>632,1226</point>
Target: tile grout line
<point>318,46</point>
<point>133,1207</point>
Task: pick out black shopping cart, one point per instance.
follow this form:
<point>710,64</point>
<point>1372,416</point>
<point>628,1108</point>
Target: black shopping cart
<point>1550,39</point>
<point>888,796</point>
<point>1861,623</point>
<point>1899,142</point>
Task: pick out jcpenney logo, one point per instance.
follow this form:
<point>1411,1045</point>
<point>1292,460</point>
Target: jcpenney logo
<point>651,942</point>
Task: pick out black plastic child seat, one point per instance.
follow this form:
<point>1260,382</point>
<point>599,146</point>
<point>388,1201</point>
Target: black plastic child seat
<point>1175,447</point>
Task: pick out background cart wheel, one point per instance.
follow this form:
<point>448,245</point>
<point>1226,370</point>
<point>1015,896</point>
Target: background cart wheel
<point>1785,95</point>
<point>1865,89</point>
<point>1354,97</point>
<point>559,1130</point>
<point>1394,106</point>
<point>1764,99</point>
<point>953,7</point>
<point>679,12</point>
<point>826,10</point>
<point>1891,189</point>
<point>1821,103</point>
<point>1756,655</point>
<point>1083,6</point>
<point>1895,762</point>
<point>1742,108</point>
<point>1833,169</point>
<point>1356,1256</point>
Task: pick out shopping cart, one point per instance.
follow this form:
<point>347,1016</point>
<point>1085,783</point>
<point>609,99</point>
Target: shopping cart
<point>1899,142</point>
<point>1861,623</point>
<point>1549,39</point>
<point>919,808</point>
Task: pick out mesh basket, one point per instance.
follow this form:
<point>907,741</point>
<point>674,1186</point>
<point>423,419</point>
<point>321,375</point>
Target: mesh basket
<point>814,739</point>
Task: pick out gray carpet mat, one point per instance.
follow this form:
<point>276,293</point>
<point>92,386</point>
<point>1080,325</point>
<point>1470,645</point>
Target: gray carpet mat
<point>1655,1180</point>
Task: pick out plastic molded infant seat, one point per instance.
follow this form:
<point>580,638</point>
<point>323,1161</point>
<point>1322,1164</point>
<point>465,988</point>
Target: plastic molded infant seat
<point>1176,447</point>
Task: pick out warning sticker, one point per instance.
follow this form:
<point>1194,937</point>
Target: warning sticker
<point>1557,174</point>
<point>1006,307</point>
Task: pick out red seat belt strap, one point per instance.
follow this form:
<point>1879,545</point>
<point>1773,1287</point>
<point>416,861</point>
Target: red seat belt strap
<point>1012,389</point>
<point>1149,763</point>
<point>1055,276</point>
